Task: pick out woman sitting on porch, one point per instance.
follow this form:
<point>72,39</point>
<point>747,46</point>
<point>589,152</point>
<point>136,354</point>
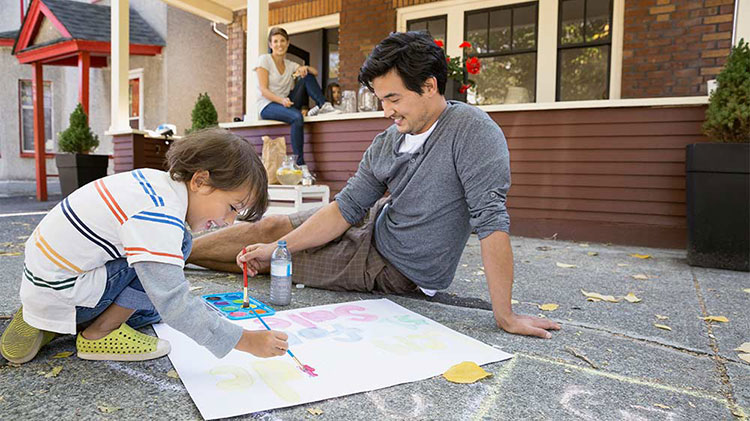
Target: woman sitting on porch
<point>280,98</point>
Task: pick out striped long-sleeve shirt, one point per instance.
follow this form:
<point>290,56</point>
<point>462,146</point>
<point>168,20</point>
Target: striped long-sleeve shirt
<point>137,215</point>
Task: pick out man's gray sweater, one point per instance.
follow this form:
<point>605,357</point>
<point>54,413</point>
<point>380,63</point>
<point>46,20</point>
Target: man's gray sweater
<point>457,181</point>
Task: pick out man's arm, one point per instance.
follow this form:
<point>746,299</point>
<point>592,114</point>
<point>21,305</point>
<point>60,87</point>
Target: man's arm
<point>497,257</point>
<point>322,227</point>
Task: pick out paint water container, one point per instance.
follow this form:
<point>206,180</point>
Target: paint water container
<point>281,275</point>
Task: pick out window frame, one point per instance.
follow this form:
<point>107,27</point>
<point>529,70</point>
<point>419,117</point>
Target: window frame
<point>429,18</point>
<point>25,153</point>
<point>137,74</point>
<point>560,48</point>
<point>512,6</point>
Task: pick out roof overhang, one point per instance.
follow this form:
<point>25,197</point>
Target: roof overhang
<point>60,53</point>
<point>220,11</point>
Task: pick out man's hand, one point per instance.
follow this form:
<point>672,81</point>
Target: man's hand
<point>263,343</point>
<point>527,325</point>
<point>254,255</point>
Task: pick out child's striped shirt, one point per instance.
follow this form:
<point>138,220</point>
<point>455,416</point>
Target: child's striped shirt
<point>138,215</point>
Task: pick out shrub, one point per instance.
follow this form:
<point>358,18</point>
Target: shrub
<point>78,137</point>
<point>204,114</point>
<point>728,114</point>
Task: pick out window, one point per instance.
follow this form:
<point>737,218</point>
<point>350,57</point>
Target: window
<point>434,25</point>
<point>584,49</point>
<point>26,105</point>
<point>331,52</point>
<point>135,100</point>
<point>505,41</point>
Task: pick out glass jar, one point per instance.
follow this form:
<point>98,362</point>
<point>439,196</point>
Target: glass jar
<point>349,101</point>
<point>289,173</point>
<point>367,100</point>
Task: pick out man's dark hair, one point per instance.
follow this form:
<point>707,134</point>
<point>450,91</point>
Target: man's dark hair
<point>414,56</point>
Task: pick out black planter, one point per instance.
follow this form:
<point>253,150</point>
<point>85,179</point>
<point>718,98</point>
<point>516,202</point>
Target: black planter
<point>718,205</point>
<point>77,170</point>
<point>451,90</point>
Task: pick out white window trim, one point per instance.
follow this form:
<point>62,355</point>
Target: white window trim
<point>312,24</point>
<point>138,74</point>
<point>51,116</point>
<point>546,70</point>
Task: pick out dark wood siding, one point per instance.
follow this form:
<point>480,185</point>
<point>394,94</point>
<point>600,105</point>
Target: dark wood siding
<point>612,175</point>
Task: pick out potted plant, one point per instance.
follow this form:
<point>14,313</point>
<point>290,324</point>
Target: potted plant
<point>76,165</point>
<point>204,114</point>
<point>457,83</point>
<point>718,173</point>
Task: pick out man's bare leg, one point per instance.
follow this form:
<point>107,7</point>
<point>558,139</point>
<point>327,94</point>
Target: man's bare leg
<point>218,250</point>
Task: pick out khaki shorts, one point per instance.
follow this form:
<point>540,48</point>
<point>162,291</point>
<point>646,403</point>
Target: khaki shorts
<point>350,262</point>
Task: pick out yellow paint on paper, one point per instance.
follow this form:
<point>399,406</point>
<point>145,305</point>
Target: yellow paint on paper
<point>240,378</point>
<point>277,374</point>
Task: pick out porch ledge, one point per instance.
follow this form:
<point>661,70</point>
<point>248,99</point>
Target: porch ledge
<point>144,133</point>
<point>563,105</point>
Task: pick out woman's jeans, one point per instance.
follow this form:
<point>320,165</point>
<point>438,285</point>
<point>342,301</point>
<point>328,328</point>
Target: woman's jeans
<point>292,115</point>
<point>125,289</point>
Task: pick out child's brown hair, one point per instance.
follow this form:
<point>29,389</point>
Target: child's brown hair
<point>230,160</point>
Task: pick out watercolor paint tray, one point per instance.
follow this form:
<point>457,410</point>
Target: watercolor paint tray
<point>229,305</point>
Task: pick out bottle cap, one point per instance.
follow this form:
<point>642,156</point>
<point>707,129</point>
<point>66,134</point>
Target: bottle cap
<point>282,243</point>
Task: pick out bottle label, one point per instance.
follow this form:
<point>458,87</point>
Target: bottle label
<point>281,269</point>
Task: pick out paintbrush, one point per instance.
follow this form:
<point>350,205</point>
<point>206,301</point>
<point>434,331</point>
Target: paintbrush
<point>246,300</point>
<point>305,368</point>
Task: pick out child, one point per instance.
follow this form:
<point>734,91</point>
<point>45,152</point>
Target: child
<point>108,259</point>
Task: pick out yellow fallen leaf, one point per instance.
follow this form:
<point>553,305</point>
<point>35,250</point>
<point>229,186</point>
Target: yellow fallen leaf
<point>548,307</point>
<point>747,290</point>
<point>196,288</point>
<point>721,319</point>
<point>565,265</point>
<point>665,327</point>
<point>641,256</point>
<point>514,301</point>
<point>600,297</point>
<point>622,264</point>
<point>54,372</point>
<point>745,358</point>
<point>10,253</point>
<point>64,354</point>
<point>465,372</point>
<point>584,244</point>
<point>315,411</point>
<point>660,317</point>
<point>640,277</point>
<point>631,298</point>
<point>107,409</point>
<point>173,374</point>
<point>658,405</point>
<point>592,253</point>
<point>744,347</point>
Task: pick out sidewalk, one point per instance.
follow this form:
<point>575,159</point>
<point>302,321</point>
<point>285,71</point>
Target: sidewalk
<point>609,362</point>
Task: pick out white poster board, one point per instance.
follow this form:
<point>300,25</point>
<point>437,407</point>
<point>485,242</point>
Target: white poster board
<point>354,347</point>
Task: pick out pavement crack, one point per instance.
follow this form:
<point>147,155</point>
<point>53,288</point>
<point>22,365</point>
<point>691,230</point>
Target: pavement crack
<point>721,366</point>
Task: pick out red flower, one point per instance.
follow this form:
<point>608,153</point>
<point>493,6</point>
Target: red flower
<point>439,43</point>
<point>473,65</point>
<point>447,59</point>
<point>465,44</point>
<point>463,88</point>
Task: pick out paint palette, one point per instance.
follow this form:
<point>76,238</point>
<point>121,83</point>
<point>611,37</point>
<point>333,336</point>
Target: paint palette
<point>230,306</point>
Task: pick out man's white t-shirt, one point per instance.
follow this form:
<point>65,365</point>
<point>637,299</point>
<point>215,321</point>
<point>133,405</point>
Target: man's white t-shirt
<point>278,83</point>
<point>412,143</point>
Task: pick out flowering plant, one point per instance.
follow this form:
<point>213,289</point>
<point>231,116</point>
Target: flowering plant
<point>457,66</point>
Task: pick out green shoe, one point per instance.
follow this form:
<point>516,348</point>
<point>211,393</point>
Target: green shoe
<point>21,342</point>
<point>122,344</point>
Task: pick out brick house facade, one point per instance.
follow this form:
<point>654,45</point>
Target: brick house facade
<point>671,48</point>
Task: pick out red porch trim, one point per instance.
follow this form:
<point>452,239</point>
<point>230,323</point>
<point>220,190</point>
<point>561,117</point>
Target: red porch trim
<point>6,42</point>
<point>71,47</point>
<point>36,11</point>
<point>84,60</point>
<point>37,92</point>
<point>48,155</point>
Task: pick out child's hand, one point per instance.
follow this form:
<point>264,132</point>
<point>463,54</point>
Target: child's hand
<point>263,343</point>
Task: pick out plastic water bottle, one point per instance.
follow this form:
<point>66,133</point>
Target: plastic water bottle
<point>281,275</point>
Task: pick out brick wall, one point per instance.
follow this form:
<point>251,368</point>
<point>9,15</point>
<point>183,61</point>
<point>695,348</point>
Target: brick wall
<point>236,66</point>
<point>363,24</point>
<point>672,47</point>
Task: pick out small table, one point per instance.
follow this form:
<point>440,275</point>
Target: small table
<point>283,200</point>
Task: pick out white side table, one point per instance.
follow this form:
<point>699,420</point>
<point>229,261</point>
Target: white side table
<point>283,200</point>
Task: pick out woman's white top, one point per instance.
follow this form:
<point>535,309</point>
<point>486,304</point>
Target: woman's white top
<point>278,83</point>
